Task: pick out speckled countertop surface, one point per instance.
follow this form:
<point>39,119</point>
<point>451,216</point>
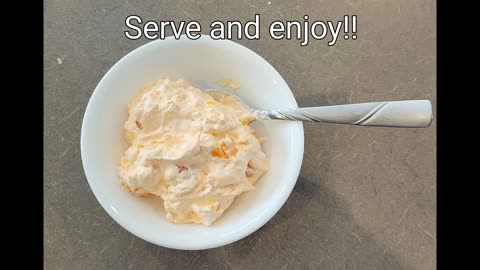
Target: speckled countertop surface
<point>365,198</point>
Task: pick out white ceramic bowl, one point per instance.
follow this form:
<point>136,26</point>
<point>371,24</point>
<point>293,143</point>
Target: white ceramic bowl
<point>102,138</point>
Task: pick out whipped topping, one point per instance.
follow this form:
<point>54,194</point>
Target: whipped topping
<point>195,151</point>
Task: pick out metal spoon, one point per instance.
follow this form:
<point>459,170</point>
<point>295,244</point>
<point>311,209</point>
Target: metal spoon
<point>407,113</point>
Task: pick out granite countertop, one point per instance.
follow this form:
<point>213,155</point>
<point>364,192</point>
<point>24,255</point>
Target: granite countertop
<point>365,197</point>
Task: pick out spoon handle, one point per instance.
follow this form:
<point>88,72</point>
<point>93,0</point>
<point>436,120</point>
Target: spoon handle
<point>408,113</point>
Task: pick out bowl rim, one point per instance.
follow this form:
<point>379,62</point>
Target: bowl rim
<point>188,246</point>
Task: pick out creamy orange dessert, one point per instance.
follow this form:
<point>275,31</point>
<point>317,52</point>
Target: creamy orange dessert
<point>194,151</point>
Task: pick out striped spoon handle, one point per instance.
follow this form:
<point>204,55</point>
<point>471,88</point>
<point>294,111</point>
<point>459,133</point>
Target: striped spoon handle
<point>408,113</point>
